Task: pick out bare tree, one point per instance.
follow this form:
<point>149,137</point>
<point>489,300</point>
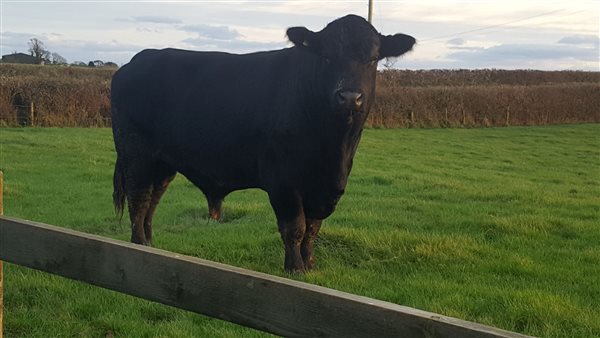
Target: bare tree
<point>390,62</point>
<point>38,50</point>
<point>57,59</point>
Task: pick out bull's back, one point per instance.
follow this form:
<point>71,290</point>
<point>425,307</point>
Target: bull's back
<point>205,113</point>
<point>199,89</point>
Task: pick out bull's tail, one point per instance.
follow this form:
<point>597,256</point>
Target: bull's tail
<point>119,190</point>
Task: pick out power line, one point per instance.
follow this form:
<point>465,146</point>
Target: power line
<point>445,36</point>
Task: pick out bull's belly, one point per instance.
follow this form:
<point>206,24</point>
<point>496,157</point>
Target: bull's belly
<point>221,185</point>
<point>217,179</point>
<point>320,205</point>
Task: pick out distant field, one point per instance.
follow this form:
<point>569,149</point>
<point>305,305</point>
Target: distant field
<point>497,225</point>
<point>80,96</point>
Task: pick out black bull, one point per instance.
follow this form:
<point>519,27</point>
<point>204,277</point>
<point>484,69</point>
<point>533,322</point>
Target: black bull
<point>286,121</point>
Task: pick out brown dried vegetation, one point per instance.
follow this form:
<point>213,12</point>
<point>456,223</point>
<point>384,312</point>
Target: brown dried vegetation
<point>484,98</point>
<point>79,96</point>
<point>61,96</point>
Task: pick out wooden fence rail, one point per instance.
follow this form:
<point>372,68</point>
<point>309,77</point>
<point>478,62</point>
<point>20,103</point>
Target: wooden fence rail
<point>264,302</point>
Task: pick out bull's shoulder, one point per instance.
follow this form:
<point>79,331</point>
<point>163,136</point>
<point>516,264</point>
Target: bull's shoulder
<point>145,54</point>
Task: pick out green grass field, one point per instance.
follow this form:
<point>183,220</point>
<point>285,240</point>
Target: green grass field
<point>498,226</point>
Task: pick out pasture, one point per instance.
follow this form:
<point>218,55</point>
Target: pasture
<point>497,226</point>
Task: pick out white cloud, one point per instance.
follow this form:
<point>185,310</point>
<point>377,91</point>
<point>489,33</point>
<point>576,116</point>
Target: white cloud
<point>232,46</point>
<point>15,41</point>
<point>591,40</point>
<point>211,32</point>
<point>456,42</point>
<point>530,55</point>
<point>155,19</point>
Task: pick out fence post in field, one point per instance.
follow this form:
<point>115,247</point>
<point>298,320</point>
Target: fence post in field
<point>25,110</point>
<point>31,114</point>
<point>508,116</point>
<point>1,286</point>
<point>18,101</point>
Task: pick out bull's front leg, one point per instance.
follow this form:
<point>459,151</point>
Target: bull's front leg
<point>292,227</point>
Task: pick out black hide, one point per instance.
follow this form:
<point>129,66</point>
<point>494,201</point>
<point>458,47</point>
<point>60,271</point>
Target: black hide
<point>286,121</point>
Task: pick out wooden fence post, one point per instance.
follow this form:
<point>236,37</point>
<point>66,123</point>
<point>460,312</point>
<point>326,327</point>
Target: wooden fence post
<point>1,287</point>
<point>31,117</point>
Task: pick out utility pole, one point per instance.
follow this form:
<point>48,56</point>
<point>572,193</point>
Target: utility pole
<point>370,18</point>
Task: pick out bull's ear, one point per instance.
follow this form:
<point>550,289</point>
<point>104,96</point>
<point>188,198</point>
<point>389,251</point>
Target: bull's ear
<point>300,36</point>
<point>395,45</point>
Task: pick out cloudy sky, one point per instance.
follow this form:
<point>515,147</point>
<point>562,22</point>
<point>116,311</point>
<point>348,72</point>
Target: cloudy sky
<point>506,34</point>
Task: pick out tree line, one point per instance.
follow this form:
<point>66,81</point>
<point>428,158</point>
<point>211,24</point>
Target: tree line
<point>38,50</point>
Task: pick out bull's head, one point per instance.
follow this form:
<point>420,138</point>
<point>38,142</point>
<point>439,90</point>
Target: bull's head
<point>348,50</point>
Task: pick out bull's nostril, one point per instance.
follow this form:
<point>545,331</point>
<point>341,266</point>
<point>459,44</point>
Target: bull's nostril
<point>359,99</point>
<point>349,97</point>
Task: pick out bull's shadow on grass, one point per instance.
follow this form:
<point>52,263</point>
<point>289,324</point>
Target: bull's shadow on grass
<point>193,216</point>
<point>344,249</point>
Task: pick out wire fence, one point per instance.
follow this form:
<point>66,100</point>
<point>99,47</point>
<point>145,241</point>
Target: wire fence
<point>26,115</point>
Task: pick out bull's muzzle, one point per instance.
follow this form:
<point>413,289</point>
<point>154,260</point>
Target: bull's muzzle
<point>349,100</point>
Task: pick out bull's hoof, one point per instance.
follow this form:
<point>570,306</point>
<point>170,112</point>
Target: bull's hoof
<point>145,242</point>
<point>309,263</point>
<point>214,220</point>
<point>295,269</point>
<point>214,215</point>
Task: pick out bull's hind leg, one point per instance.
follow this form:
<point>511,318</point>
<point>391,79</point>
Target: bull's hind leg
<point>163,175</point>
<point>307,247</point>
<point>138,189</point>
<point>141,176</point>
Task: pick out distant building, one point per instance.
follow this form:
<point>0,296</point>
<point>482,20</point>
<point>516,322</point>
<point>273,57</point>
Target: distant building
<point>20,58</point>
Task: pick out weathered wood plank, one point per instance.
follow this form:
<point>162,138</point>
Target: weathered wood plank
<point>273,304</point>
